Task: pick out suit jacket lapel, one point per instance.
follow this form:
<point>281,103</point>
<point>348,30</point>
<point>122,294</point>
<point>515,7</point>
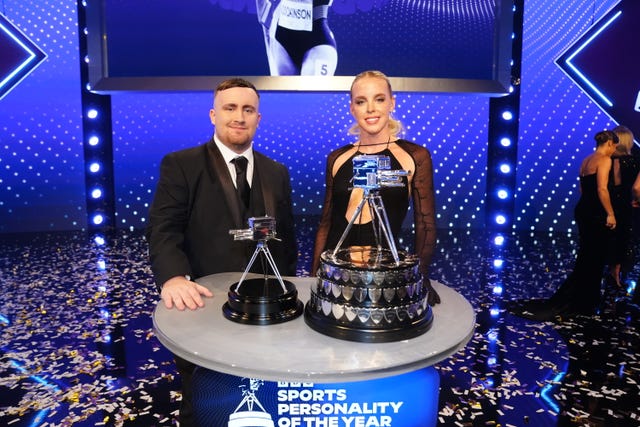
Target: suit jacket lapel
<point>221,170</point>
<point>260,167</point>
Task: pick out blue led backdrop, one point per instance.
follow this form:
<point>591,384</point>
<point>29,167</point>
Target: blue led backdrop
<point>41,148</point>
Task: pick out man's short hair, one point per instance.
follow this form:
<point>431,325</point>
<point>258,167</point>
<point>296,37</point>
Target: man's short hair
<point>236,82</point>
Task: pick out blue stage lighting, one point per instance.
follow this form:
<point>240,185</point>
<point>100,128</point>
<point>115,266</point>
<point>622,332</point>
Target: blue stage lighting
<point>94,140</point>
<point>501,219</point>
<point>505,168</point>
<point>505,142</point>
<point>96,193</point>
<point>498,240</point>
<point>92,113</point>
<point>503,194</point>
<point>94,167</point>
<point>507,115</point>
<point>98,219</point>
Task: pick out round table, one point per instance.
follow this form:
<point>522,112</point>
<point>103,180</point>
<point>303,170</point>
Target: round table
<point>292,351</point>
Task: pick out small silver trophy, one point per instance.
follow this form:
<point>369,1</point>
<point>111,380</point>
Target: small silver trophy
<point>266,300</point>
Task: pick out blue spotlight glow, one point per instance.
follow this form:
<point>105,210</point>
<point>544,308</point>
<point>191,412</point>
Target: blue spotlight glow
<point>501,219</point>
<point>98,219</point>
<point>497,290</point>
<point>505,142</point>
<point>495,312</point>
<point>102,265</point>
<point>92,113</point>
<point>498,240</point>
<point>94,167</point>
<point>99,240</point>
<point>94,140</point>
<point>498,263</point>
<point>505,168</point>
<point>96,193</point>
<point>503,194</point>
<point>507,115</point>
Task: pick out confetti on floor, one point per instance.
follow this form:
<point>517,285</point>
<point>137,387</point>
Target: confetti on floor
<point>77,345</point>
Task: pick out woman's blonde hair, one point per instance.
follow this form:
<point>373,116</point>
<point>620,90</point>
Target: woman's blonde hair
<point>625,138</point>
<point>395,126</point>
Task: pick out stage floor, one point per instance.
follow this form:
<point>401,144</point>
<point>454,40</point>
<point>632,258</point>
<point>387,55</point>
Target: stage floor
<point>77,345</point>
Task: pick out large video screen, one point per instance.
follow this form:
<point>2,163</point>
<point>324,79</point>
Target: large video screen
<point>307,45</point>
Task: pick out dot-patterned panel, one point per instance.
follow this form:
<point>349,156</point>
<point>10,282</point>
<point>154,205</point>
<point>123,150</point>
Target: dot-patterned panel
<point>41,160</point>
<point>299,130</point>
<point>41,157</point>
<point>557,121</point>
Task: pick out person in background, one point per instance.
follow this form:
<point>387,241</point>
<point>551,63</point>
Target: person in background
<point>580,293</point>
<point>372,102</point>
<point>297,37</point>
<point>624,172</point>
<point>200,197</point>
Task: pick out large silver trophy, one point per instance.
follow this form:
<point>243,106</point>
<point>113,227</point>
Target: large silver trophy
<point>370,293</point>
<point>266,300</point>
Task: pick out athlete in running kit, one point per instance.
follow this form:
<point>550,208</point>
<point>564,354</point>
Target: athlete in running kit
<point>297,37</point>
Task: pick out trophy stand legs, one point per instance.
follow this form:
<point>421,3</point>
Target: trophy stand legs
<point>377,208</point>
<point>263,249</point>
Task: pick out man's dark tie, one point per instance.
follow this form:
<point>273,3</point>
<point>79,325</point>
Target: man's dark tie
<point>242,186</point>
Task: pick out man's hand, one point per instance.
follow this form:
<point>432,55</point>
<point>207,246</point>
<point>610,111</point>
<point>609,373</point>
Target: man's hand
<point>183,293</point>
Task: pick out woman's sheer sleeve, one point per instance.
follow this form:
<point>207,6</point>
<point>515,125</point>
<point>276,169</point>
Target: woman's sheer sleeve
<point>325,219</point>
<point>424,217</point>
<point>424,214</point>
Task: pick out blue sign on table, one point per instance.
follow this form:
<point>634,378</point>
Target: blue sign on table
<point>407,400</point>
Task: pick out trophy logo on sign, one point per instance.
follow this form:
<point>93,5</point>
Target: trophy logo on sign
<point>266,300</point>
<point>250,417</point>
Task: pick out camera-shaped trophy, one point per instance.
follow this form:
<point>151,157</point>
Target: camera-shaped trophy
<point>370,293</point>
<point>266,300</point>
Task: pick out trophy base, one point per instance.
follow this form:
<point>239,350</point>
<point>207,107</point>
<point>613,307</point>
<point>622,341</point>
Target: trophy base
<point>262,301</point>
<point>363,294</point>
<point>406,331</point>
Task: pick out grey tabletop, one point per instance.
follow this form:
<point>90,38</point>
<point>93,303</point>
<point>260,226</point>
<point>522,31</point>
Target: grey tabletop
<point>292,351</point>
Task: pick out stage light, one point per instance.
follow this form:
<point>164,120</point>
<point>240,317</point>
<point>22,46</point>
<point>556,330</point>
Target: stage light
<point>498,240</point>
<point>497,290</point>
<point>97,219</point>
<point>503,194</point>
<point>94,167</point>
<point>102,265</point>
<point>498,263</point>
<point>86,59</point>
<point>96,193</point>
<point>94,140</point>
<point>92,113</point>
<point>505,142</point>
<point>500,219</point>
<point>495,312</point>
<point>507,115</point>
<point>99,240</point>
<point>505,168</point>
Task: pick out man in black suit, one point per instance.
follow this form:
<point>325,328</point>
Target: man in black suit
<point>197,202</point>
